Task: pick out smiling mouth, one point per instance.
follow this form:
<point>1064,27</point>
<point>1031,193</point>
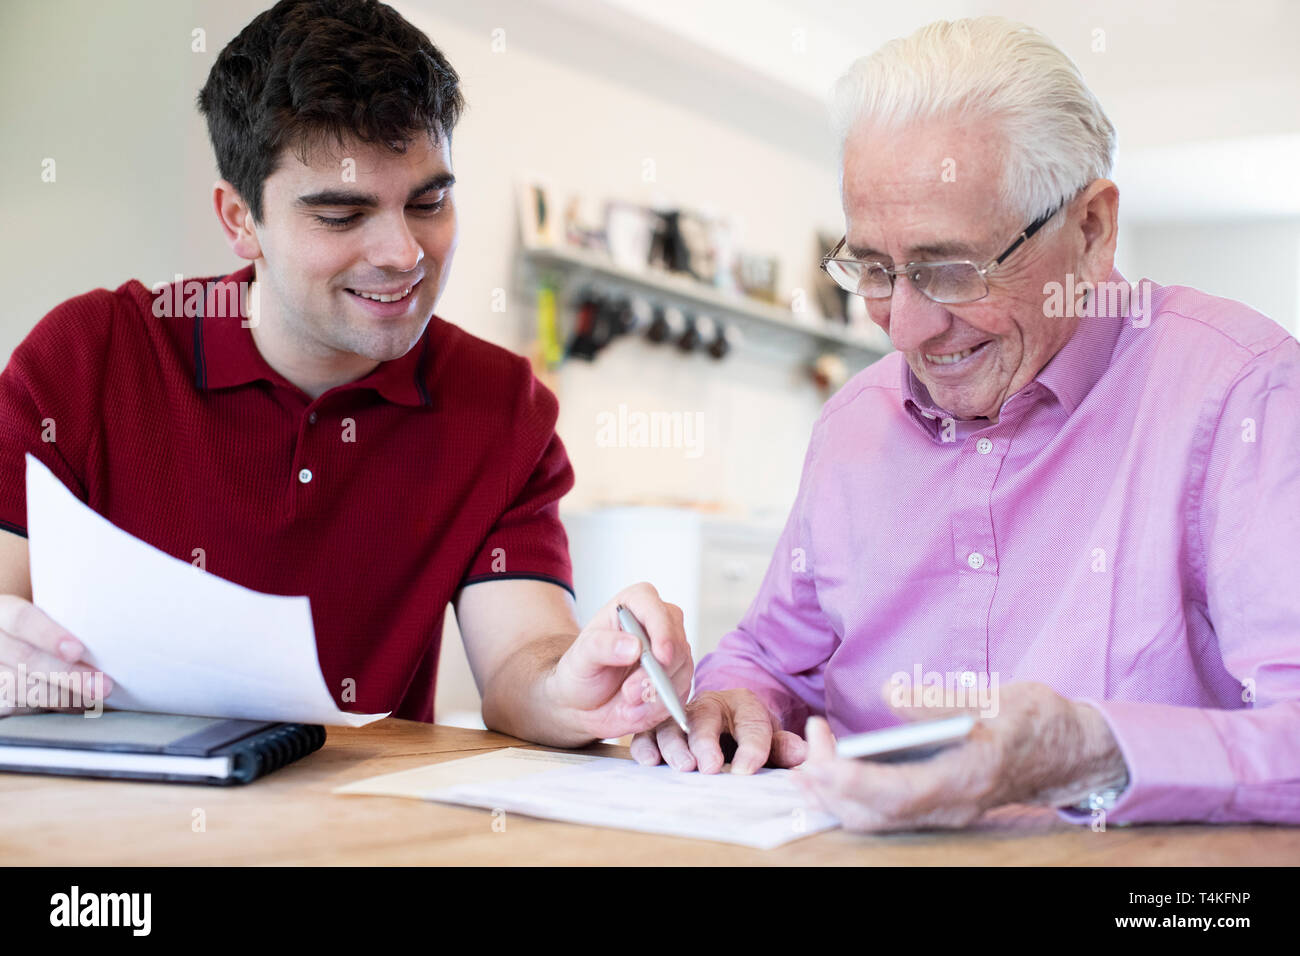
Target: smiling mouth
<point>952,358</point>
<point>385,296</point>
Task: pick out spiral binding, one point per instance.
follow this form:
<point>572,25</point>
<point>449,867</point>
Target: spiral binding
<point>274,749</point>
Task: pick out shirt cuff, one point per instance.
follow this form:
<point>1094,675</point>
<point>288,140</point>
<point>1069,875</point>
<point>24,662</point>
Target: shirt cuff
<point>1178,768</point>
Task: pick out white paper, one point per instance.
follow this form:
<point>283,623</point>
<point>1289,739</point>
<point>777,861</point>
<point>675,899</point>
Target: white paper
<point>173,638</point>
<point>763,810</point>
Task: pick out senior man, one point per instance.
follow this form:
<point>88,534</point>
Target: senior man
<point>1091,498</point>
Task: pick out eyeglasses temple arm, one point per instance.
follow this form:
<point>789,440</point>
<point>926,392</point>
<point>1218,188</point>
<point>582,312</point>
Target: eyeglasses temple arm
<point>1032,228</point>
<point>831,255</point>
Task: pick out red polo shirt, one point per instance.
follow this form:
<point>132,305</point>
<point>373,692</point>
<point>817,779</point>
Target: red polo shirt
<point>379,500</point>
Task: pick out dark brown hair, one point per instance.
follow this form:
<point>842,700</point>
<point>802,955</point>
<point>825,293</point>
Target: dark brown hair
<point>308,71</point>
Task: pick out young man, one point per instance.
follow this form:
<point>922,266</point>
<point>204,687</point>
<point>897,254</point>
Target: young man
<point>308,426</point>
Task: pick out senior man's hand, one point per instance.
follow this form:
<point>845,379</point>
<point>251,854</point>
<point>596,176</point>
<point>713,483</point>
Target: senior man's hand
<point>757,734</point>
<point>1040,748</point>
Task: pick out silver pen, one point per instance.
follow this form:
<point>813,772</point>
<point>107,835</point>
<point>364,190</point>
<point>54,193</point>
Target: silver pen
<point>663,686</point>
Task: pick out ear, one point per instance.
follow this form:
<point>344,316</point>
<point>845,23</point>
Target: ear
<point>236,220</point>
<point>1098,230</point>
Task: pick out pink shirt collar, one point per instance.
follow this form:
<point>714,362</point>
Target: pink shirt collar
<point>1069,375</point>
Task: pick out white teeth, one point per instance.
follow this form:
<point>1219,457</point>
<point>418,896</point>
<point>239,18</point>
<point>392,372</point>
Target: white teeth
<point>950,359</point>
<point>384,298</point>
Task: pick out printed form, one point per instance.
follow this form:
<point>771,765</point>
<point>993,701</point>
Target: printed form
<point>173,638</point>
<point>762,810</point>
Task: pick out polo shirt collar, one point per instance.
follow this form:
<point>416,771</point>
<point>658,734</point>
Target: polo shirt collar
<point>1069,375</point>
<point>225,354</point>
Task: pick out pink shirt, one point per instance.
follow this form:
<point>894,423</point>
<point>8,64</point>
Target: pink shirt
<point>1127,533</point>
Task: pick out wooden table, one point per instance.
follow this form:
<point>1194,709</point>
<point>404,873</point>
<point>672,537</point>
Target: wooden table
<point>292,818</point>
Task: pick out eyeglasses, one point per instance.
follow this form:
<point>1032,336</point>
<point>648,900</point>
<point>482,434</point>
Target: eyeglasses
<point>948,282</point>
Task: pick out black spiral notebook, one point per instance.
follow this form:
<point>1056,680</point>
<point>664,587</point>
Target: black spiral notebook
<point>124,745</point>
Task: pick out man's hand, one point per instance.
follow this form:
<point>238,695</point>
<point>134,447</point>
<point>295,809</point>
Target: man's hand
<point>759,737</point>
<point>599,684</point>
<point>43,661</point>
<point>1040,748</point>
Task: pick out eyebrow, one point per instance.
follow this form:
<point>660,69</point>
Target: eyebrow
<point>351,197</point>
<point>928,250</point>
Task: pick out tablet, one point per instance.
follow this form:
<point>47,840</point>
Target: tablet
<point>908,741</point>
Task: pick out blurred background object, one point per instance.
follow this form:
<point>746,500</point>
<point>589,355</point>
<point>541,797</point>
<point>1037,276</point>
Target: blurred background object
<point>589,123</point>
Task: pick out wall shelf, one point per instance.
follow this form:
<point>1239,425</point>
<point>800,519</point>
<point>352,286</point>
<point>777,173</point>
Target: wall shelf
<point>576,268</point>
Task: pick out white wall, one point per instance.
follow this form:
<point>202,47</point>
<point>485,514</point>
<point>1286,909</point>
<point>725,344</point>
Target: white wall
<point>79,83</point>
<point>1254,262</point>
<point>537,107</point>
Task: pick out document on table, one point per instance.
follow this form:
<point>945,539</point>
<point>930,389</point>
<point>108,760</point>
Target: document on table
<point>762,810</point>
<point>173,638</point>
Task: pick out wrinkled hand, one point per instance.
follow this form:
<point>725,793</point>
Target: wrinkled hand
<point>1039,748</point>
<point>599,679</point>
<point>739,712</point>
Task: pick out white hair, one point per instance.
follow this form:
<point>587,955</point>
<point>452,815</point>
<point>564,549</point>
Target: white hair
<point>1056,135</point>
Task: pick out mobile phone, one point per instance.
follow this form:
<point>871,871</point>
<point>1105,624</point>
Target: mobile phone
<point>907,742</point>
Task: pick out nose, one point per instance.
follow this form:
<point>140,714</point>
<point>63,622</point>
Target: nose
<point>394,248</point>
<point>914,319</point>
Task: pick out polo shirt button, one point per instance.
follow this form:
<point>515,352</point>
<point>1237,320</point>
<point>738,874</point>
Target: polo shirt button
<point>984,446</point>
<point>967,678</point>
<point>305,475</point>
<point>311,418</point>
<point>974,559</point>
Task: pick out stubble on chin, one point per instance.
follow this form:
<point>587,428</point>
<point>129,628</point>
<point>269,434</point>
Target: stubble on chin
<point>382,346</point>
